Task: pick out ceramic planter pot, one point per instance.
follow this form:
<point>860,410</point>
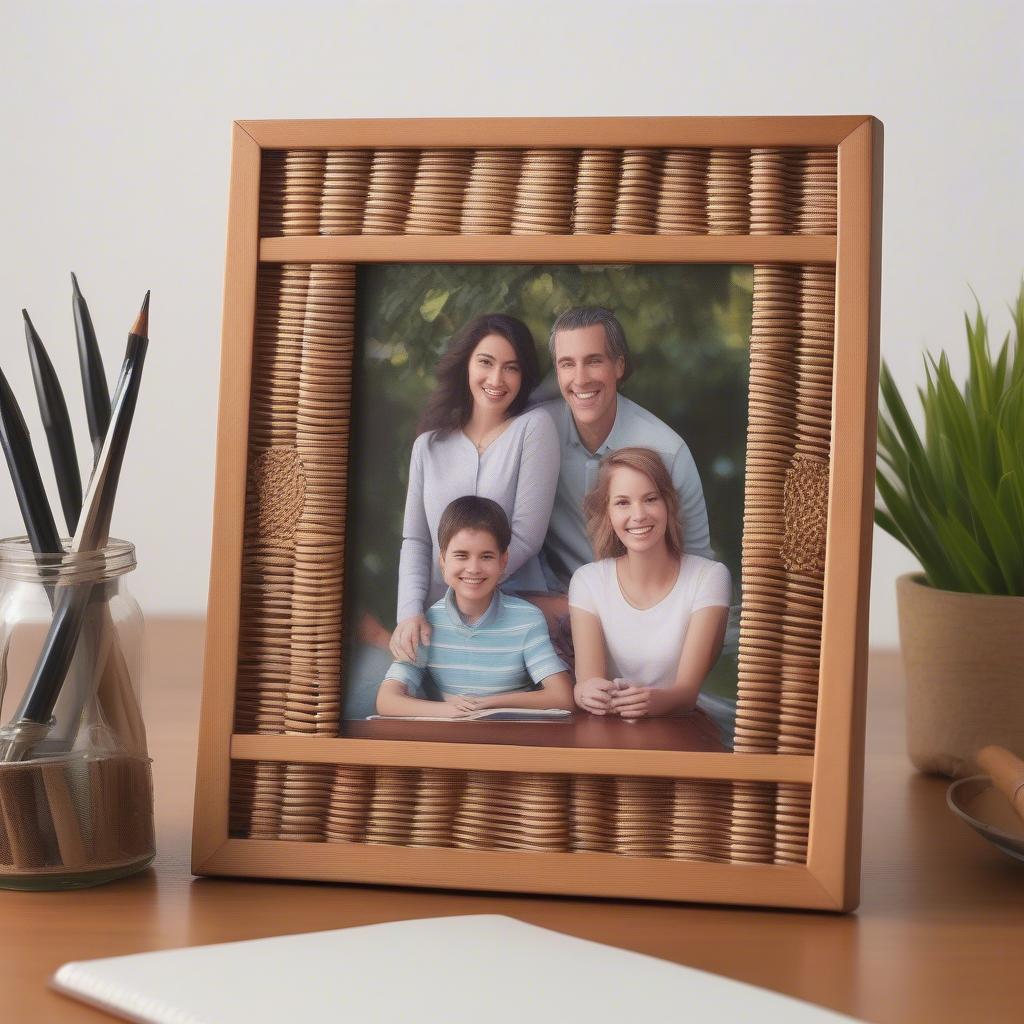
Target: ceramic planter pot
<point>963,655</point>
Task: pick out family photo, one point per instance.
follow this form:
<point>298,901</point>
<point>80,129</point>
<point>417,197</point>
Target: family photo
<point>545,518</point>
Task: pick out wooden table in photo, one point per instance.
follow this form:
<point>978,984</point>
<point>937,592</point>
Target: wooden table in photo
<point>939,935</point>
<point>694,732</point>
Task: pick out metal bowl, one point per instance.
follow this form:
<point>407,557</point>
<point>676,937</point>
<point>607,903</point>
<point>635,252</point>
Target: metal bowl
<point>988,812</point>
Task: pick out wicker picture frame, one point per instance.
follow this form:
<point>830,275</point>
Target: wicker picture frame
<point>281,793</point>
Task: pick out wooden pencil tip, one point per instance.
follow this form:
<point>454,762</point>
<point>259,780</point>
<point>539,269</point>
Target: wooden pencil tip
<point>74,283</point>
<point>141,325</point>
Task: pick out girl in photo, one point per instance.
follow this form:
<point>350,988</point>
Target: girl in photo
<point>477,438</point>
<point>648,619</point>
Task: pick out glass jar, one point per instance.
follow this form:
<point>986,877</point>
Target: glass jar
<point>76,792</point>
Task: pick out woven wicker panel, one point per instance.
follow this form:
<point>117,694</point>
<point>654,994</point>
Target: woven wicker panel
<point>792,823</point>
<point>491,192</point>
<point>728,191</point>
<point>348,803</point>
<point>766,191</point>
<point>818,192</point>
<point>636,206</point>
<point>499,811</point>
<point>544,195</point>
<point>680,819</point>
<point>775,190</point>
<point>289,661</point>
<point>392,173</point>
<point>752,828</point>
<point>683,193</point>
<point>291,192</point>
<point>268,561</point>
<point>435,207</point>
<point>787,444</point>
<point>597,191</point>
<point>256,801</point>
<point>305,793</point>
<point>322,441</point>
<point>345,185</point>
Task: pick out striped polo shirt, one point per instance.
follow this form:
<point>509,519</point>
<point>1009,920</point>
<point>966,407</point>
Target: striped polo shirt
<point>508,648</point>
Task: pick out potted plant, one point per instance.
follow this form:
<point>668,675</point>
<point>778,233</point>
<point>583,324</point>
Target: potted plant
<point>955,498</point>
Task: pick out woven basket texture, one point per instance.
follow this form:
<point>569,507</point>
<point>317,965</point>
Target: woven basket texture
<point>718,191</point>
<point>682,819</point>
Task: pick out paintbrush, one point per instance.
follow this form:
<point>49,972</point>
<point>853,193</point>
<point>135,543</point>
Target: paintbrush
<point>57,423</point>
<point>94,380</point>
<point>28,485</point>
<point>32,720</point>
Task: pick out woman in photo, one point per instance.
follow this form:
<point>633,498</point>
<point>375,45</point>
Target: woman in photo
<point>648,619</point>
<point>476,439</point>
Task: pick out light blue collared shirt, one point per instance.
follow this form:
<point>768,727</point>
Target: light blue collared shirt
<point>567,546</point>
<point>507,649</point>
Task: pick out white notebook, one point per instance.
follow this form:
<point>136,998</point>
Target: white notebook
<point>482,969</point>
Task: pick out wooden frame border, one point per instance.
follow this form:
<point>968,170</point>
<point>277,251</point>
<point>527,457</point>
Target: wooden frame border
<point>552,249</point>
<point>554,132</point>
<point>830,879</point>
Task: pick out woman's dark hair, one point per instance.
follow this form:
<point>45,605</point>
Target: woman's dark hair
<point>450,403</point>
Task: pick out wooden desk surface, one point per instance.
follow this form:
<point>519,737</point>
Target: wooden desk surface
<point>939,935</point>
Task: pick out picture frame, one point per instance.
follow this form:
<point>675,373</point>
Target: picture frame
<point>280,792</point>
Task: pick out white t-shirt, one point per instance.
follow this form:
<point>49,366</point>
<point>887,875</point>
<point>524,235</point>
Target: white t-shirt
<point>644,645</point>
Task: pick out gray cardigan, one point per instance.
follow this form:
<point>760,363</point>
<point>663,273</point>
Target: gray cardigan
<point>518,470</point>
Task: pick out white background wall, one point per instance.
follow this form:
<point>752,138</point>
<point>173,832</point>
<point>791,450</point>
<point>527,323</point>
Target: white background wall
<point>115,165</point>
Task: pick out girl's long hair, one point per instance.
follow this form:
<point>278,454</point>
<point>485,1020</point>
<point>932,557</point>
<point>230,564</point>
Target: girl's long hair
<point>450,404</point>
<point>603,538</point>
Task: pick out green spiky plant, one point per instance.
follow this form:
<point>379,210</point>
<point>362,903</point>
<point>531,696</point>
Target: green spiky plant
<point>956,497</point>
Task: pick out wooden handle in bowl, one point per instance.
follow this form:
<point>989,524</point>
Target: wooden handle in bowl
<point>1007,772</point>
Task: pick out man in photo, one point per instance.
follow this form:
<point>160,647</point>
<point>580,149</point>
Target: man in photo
<point>591,360</point>
<point>487,649</point>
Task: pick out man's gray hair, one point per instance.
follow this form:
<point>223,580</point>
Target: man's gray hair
<point>590,316</point>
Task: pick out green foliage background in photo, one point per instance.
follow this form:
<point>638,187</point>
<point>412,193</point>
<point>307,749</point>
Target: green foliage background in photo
<point>688,329</point>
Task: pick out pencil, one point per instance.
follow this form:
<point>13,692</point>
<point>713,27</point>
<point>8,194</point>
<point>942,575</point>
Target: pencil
<point>57,423</point>
<point>28,485</point>
<point>94,380</point>
<point>94,526</point>
<point>31,720</point>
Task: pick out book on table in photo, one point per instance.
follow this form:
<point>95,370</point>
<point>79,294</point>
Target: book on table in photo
<point>488,715</point>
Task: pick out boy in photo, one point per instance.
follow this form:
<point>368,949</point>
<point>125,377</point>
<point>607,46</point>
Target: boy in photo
<point>487,649</point>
